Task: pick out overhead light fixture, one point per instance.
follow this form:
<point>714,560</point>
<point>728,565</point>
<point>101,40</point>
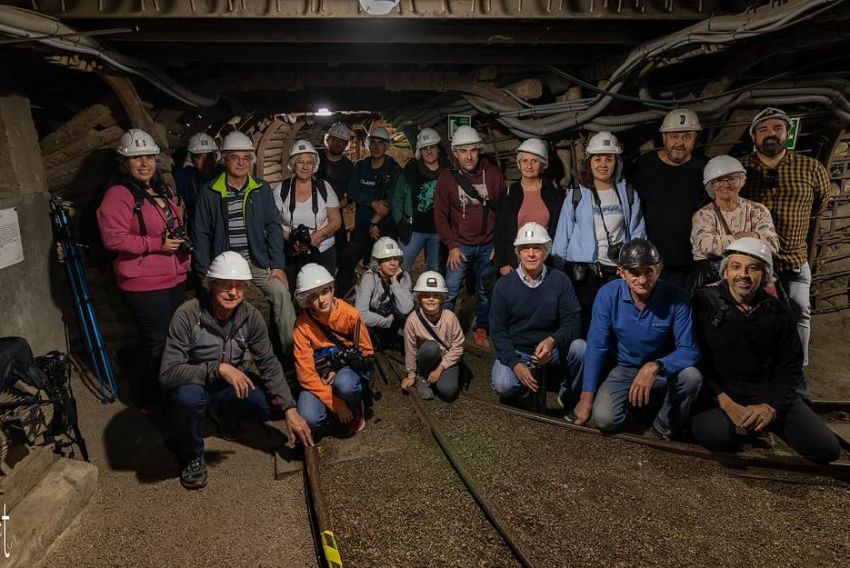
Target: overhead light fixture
<point>378,7</point>
<point>323,111</point>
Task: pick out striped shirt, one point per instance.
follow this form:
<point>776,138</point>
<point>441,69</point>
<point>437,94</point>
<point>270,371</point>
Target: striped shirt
<point>796,193</point>
<point>237,234</point>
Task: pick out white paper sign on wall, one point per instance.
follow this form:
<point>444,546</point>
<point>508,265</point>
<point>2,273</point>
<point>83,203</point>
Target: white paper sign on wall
<point>11,247</point>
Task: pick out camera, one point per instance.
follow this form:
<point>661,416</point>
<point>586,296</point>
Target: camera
<point>179,233</point>
<point>301,235</point>
<point>350,357</point>
<point>614,251</point>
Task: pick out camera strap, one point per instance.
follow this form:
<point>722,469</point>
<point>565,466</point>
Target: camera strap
<point>598,202</point>
<point>315,189</point>
<point>430,328</point>
<point>474,196</point>
<point>722,220</point>
<point>335,337</point>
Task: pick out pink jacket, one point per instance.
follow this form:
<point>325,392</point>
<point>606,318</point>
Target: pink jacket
<point>140,266</point>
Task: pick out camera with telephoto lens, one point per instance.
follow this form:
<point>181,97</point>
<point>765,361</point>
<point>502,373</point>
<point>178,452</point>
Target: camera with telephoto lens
<point>614,251</point>
<point>350,357</point>
<point>179,233</point>
<point>301,235</point>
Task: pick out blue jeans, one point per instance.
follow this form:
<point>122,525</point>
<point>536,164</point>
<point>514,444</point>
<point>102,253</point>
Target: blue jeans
<point>477,257</point>
<point>347,386</point>
<point>188,412</point>
<point>418,241</point>
<point>505,382</point>
<point>798,284</point>
<point>678,391</point>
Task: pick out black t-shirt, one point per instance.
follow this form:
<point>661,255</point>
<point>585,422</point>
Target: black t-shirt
<point>669,196</point>
<point>336,173</point>
<point>423,188</point>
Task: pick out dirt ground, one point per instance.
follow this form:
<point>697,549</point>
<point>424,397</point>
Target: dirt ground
<point>829,356</point>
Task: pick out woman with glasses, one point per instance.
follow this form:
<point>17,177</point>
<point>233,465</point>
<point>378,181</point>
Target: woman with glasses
<point>727,218</point>
<point>309,213</point>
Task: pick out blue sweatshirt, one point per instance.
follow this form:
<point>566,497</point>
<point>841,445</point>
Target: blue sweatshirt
<point>521,317</point>
<point>367,185</point>
<point>662,331</point>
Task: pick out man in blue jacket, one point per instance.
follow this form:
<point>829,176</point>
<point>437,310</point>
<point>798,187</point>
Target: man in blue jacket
<point>236,211</point>
<point>642,326</point>
<point>535,322</point>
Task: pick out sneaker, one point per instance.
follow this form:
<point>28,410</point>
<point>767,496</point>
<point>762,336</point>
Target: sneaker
<point>480,337</point>
<point>423,389</point>
<point>654,432</point>
<point>194,474</point>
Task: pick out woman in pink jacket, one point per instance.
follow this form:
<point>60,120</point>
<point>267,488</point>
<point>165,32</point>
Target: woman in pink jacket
<point>141,223</point>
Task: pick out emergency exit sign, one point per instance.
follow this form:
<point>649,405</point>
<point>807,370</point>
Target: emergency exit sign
<point>791,142</point>
<point>458,120</point>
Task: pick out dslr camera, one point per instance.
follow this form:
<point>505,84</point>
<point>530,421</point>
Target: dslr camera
<point>614,251</point>
<point>179,233</point>
<point>301,235</point>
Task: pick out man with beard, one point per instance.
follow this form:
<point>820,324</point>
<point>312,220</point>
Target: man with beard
<point>753,361</point>
<point>795,189</point>
<point>335,168</point>
<point>669,183</point>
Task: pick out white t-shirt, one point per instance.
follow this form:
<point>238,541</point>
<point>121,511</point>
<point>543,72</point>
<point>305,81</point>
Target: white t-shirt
<point>613,212</point>
<point>303,213</point>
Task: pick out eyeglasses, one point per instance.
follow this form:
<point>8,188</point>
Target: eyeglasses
<point>726,180</point>
<point>239,159</point>
<point>307,165</point>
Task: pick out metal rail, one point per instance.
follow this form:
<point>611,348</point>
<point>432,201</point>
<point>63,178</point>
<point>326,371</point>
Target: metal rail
<point>324,540</point>
<point>386,368</point>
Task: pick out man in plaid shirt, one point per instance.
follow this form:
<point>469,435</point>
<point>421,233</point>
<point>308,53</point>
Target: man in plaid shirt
<point>795,189</point>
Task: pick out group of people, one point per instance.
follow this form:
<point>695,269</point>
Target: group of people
<point>583,295</point>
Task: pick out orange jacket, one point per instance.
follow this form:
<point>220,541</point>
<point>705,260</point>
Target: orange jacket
<point>308,337</point>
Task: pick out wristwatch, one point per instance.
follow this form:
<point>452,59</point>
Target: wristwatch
<point>660,370</point>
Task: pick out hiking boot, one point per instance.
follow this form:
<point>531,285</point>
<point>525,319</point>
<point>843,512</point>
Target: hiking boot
<point>481,338</point>
<point>423,389</point>
<point>194,474</point>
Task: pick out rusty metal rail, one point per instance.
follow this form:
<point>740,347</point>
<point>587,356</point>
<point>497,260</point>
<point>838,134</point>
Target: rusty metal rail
<point>324,540</point>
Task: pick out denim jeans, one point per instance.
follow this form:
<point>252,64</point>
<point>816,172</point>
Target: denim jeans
<point>477,258</point>
<point>505,382</point>
<point>798,284</point>
<point>188,411</point>
<point>679,391</point>
<point>428,356</point>
<point>347,386</point>
<point>418,241</point>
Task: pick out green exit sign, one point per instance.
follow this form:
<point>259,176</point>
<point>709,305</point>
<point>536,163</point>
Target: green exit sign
<point>793,132</point>
<point>458,120</point>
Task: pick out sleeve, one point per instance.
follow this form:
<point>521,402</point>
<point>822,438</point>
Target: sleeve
<point>410,347</point>
<point>402,294</point>
<point>273,229</point>
<point>277,193</point>
<point>500,232</point>
<point>271,372</point>
<point>305,368</point>
<point>176,368</point>
<point>569,315</point>
<point>706,240</point>
<point>563,231</point>
<point>686,353</point>
<point>598,340</point>
<point>442,210</point>
<point>202,231</point>
<point>499,320</point>
<point>399,205</point>
<point>821,191</point>
<point>363,302</point>
<point>764,227</point>
<point>332,200</point>
<point>115,218</point>
<point>703,311</point>
<point>788,372</point>
<point>456,340</point>
<point>637,226</point>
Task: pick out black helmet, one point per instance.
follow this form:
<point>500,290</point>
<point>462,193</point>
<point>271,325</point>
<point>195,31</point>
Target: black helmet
<point>637,253</point>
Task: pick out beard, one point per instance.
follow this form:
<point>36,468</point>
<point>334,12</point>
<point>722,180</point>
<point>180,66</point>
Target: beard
<point>771,146</point>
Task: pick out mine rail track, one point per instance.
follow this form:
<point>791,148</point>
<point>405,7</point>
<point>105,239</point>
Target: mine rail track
<point>387,368</point>
<point>324,540</point>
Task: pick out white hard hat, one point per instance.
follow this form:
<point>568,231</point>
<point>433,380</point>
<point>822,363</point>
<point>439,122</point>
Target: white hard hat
<point>137,142</point>
<point>385,247</point>
<point>237,142</point>
<point>303,147</point>
<point>536,147</point>
<point>768,113</point>
<point>201,143</point>
<point>431,281</point>
<point>466,136</point>
<point>680,120</point>
<point>533,234</point>
<point>720,166</point>
<point>603,143</point>
<point>426,137</point>
<point>339,130</point>
<point>229,265</point>
<point>379,133</point>
<point>752,247</point>
<point>311,277</point>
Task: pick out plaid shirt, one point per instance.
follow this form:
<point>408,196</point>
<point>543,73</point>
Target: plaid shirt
<point>796,193</point>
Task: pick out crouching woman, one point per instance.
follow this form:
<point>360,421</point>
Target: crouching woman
<point>433,342</point>
<point>333,353</point>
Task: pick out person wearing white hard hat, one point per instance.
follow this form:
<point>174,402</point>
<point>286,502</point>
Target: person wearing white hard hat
<point>727,218</point>
<point>600,215</point>
<point>309,213</point>
<point>141,223</point>
<point>201,165</point>
<point>534,197</point>
<point>370,188</point>
<point>669,182</point>
<point>413,201</point>
<point>236,211</point>
<point>535,323</point>
<point>795,189</point>
<point>205,368</point>
<point>465,215</point>
<point>433,342</point>
<point>335,168</point>
<point>333,354</point>
<point>383,294</point>
<point>753,361</point>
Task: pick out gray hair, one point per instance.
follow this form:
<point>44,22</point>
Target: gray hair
<point>769,278</point>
